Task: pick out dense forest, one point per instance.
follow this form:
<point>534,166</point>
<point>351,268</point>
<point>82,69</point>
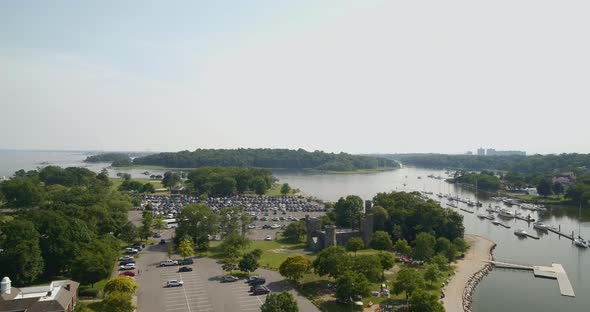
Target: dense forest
<point>227,181</point>
<point>66,222</point>
<point>265,158</point>
<point>520,164</point>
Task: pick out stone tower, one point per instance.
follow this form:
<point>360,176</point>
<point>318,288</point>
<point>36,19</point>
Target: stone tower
<point>367,229</point>
<point>330,238</point>
<point>314,226</point>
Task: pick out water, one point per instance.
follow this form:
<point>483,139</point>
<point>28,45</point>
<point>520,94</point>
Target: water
<point>502,290</point>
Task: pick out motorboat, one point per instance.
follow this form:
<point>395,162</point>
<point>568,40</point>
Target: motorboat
<point>482,215</point>
<point>579,242</point>
<point>495,222</point>
<point>505,213</point>
<point>528,206</point>
<point>540,225</point>
<point>521,232</point>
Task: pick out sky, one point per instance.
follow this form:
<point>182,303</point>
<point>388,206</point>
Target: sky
<point>353,76</point>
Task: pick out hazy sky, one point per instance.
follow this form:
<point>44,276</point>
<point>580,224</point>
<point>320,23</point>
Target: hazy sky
<point>355,76</point>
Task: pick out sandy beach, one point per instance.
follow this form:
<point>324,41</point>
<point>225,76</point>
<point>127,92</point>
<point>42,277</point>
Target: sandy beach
<point>465,269</point>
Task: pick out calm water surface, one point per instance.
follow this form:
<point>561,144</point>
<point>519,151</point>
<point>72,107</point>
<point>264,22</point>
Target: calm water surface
<point>502,290</point>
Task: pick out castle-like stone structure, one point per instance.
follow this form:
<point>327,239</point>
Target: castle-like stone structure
<point>318,239</point>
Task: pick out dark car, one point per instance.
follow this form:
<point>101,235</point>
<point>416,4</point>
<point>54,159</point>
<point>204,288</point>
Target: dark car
<point>185,269</point>
<point>260,290</point>
<point>124,262</point>
<point>186,261</point>
<point>162,241</point>
<point>257,281</point>
<point>251,279</point>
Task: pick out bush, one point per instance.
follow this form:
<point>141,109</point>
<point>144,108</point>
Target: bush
<point>89,293</point>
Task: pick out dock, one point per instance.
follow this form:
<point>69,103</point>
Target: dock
<point>561,234</point>
<point>555,271</point>
<point>524,219</point>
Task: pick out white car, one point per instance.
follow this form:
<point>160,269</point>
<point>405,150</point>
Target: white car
<point>251,226</point>
<point>126,258</point>
<point>128,266</point>
<point>275,226</point>
<point>268,238</point>
<point>131,250</point>
<point>168,263</point>
<point>174,283</point>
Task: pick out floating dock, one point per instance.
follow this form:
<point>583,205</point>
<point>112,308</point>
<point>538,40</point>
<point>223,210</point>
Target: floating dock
<point>558,232</point>
<point>555,271</point>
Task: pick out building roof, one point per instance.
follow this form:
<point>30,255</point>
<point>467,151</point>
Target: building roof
<point>54,297</point>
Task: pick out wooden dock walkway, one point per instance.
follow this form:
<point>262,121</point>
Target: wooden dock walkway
<point>558,232</point>
<point>555,271</point>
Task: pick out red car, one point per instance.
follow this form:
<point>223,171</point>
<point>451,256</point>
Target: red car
<point>128,273</point>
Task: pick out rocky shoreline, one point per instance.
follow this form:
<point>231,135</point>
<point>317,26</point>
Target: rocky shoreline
<point>474,281</point>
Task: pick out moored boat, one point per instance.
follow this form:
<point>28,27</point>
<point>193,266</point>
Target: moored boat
<point>521,232</point>
<point>579,242</point>
<point>540,225</point>
<point>505,213</point>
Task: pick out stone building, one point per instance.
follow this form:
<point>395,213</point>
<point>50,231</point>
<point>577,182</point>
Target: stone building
<point>318,239</point>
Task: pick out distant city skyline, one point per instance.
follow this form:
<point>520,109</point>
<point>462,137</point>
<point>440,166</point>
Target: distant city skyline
<point>353,76</point>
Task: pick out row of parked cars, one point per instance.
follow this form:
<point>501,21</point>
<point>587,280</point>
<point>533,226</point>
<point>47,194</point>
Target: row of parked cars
<point>256,284</point>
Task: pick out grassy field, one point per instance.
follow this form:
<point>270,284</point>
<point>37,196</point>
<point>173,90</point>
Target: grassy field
<point>117,182</point>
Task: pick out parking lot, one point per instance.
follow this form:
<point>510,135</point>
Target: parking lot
<point>192,296</point>
<point>260,234</point>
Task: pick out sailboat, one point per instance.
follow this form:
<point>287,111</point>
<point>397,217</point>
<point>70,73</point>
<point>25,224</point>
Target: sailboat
<point>579,241</point>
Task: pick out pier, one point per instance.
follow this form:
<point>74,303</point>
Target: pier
<point>555,271</point>
<point>561,234</point>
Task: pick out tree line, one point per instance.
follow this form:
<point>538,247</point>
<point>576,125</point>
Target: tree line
<point>67,222</point>
<point>514,163</point>
<point>265,158</point>
<point>108,157</point>
<point>226,181</point>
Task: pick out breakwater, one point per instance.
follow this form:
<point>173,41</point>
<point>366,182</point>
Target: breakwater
<point>473,281</point>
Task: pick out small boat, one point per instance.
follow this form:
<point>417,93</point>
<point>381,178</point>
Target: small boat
<point>451,204</point>
<point>527,206</point>
<point>467,210</point>
<point>490,217</point>
<point>579,242</point>
<point>482,216</point>
<point>419,177</point>
<point>494,222</point>
<point>540,225</point>
<point>505,213</point>
<point>490,209</point>
<point>521,232</point>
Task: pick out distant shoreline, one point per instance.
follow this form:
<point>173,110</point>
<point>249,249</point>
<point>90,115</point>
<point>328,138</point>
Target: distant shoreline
<point>358,171</point>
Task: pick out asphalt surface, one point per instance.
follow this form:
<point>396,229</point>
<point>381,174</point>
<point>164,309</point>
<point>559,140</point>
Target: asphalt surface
<point>202,290</point>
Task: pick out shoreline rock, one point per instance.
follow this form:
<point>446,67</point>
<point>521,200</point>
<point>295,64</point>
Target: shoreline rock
<point>474,280</point>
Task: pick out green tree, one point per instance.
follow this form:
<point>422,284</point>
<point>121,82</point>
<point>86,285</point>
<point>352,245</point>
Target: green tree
<point>21,192</point>
<point>21,258</point>
<point>432,273</point>
<point>94,263</point>
<point>351,284</point>
<point>354,244</point>
<point>294,267</point>
<point>285,189</point>
<point>451,253</point>
<point>387,261</point>
<point>441,262</point>
<point>368,265</point>
<point>146,229</point>
<point>544,187</point>
<point>424,246</point>
<point>348,211</point>
<point>422,301</point>
<point>381,241</point>
<point>170,179</point>
<point>197,221</point>
<point>460,244</point>
<point>280,302</point>
<point>128,232</point>
<point>233,244</point>
<point>229,264</point>
<point>234,220</point>
<point>407,281</point>
<point>295,231</point>
<point>159,223</point>
<point>122,284</point>
<point>260,186</point>
<point>442,245</point>
<point>403,248</point>
<point>248,263</point>
<point>557,188</point>
<point>117,302</point>
<point>380,215</point>
<point>332,261</point>
<point>185,248</point>
<point>148,188</point>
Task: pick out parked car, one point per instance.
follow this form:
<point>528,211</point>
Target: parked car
<point>174,283</point>
<point>128,273</point>
<point>275,226</point>
<point>186,261</point>
<point>128,266</point>
<point>229,279</point>
<point>168,263</point>
<point>251,279</point>
<point>268,238</point>
<point>131,250</point>
<point>157,235</point>
<point>162,241</point>
<point>257,281</point>
<point>252,226</point>
<point>260,290</point>
<point>127,261</point>
<point>185,269</point>
<point>266,226</point>
<point>126,258</point>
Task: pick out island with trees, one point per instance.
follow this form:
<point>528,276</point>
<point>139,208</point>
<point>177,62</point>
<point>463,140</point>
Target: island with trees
<point>267,158</point>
